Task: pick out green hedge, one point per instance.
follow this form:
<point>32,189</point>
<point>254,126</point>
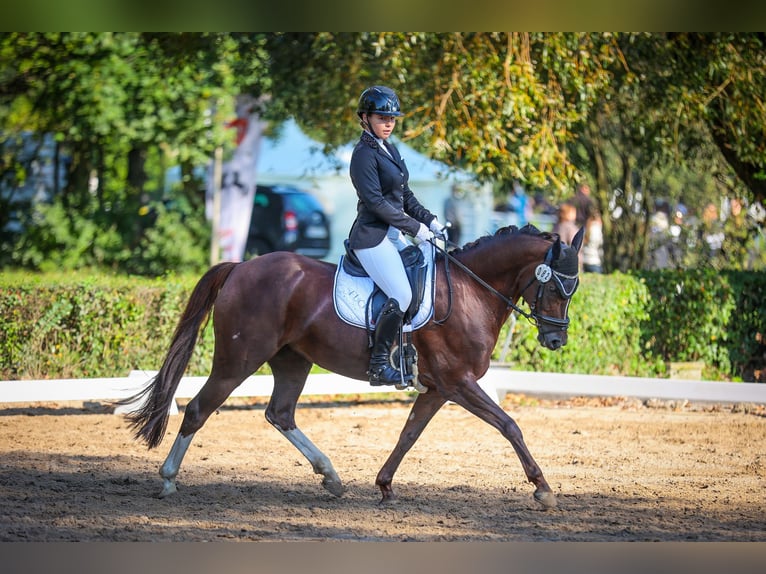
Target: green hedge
<point>604,334</point>
<point>636,324</point>
<point>73,326</point>
<point>77,325</point>
<point>717,317</point>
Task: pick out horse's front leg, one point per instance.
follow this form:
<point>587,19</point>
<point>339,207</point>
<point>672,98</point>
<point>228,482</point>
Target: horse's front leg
<point>472,397</point>
<point>425,407</point>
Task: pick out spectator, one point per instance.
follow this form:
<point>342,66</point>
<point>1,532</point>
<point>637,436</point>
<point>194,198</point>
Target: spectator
<point>591,254</point>
<point>566,226</point>
<point>739,236</point>
<point>519,204</point>
<point>659,236</point>
<point>583,202</point>
<point>679,237</point>
<point>711,231</point>
<point>452,214</point>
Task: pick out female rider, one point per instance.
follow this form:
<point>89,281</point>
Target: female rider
<point>386,210</point>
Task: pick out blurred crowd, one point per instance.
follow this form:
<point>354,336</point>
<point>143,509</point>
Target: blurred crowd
<point>729,235</point>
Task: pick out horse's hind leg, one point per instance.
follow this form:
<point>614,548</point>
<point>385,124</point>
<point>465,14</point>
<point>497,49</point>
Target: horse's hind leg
<point>211,396</point>
<point>423,410</point>
<point>290,371</point>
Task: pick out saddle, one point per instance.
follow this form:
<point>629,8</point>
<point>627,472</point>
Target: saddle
<point>358,299</point>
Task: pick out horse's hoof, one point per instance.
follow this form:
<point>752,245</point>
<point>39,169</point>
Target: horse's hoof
<point>167,489</point>
<point>546,498</point>
<point>388,501</point>
<point>334,486</point>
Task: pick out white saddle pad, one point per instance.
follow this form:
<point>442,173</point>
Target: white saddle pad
<point>352,294</point>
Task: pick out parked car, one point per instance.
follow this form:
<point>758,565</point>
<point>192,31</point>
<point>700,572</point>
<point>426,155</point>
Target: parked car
<point>286,218</point>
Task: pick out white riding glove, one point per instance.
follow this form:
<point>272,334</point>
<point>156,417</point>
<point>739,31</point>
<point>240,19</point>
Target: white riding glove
<point>424,234</point>
<point>437,227</point>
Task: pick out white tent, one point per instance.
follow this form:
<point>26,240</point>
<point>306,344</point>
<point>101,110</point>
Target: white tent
<point>294,158</point>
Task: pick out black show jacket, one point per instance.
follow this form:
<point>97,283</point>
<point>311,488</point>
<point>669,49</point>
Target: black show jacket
<point>385,197</point>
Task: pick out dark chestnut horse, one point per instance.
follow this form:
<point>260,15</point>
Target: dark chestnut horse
<point>278,309</point>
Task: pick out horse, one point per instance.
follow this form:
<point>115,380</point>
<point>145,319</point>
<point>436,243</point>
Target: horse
<point>278,309</point>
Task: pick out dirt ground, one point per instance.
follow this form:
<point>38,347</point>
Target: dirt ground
<point>623,470</point>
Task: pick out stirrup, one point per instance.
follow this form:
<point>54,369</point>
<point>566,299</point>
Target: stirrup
<point>377,380</point>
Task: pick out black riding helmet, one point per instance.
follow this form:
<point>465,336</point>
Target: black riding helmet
<point>379,100</point>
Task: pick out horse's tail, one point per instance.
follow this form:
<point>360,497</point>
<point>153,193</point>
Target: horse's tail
<point>151,419</point>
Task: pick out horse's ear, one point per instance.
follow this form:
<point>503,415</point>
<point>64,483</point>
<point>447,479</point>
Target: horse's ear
<point>556,249</point>
<point>577,239</point>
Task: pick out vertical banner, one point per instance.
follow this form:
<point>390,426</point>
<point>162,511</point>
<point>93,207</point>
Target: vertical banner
<point>238,177</point>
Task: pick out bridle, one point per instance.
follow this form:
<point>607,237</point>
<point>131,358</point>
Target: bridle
<point>544,273</point>
<point>565,284</point>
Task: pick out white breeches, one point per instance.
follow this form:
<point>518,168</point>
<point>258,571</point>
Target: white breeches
<point>384,265</point>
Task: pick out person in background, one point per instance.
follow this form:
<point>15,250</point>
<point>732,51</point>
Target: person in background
<point>739,237</point>
<point>386,210</point>
<point>519,204</point>
<point>584,203</point>
<point>591,253</point>
<point>566,225</point>
<point>711,231</point>
<point>452,214</point>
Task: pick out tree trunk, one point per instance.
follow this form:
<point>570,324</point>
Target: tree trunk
<point>137,169</point>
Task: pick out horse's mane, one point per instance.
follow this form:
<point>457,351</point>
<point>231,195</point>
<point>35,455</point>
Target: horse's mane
<point>528,230</point>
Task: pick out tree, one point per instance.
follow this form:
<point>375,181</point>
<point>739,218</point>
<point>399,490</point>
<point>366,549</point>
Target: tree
<point>501,105</point>
<point>122,107</point>
<point>723,82</point>
<point>623,110</point>
<point>657,122</point>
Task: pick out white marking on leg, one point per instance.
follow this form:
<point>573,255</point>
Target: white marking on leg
<point>169,468</point>
<point>319,461</point>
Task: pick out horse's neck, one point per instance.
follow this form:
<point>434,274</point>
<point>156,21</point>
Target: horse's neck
<point>498,267</point>
<point>501,265</point>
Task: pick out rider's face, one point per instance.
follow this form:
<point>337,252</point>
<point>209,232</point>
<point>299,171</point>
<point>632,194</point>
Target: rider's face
<point>382,126</point>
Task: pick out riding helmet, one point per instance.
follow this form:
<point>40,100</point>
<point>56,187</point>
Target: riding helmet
<point>379,100</point>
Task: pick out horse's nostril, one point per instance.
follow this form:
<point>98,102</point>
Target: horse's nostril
<point>555,342</point>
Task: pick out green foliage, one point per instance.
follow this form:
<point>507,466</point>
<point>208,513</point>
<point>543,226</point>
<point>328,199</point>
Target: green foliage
<point>80,325</point>
<point>747,333</point>
<point>636,324</point>
<point>710,316</point>
<point>604,335</point>
<point>177,240</point>
<point>158,240</point>
<point>123,108</point>
<point>695,307</point>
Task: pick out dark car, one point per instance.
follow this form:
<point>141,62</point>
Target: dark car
<point>286,218</point>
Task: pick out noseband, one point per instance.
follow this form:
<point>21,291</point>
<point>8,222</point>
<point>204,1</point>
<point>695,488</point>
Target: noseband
<point>566,285</point>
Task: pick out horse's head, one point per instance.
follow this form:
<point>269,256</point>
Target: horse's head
<point>550,290</point>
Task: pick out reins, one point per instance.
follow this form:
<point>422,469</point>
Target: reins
<point>543,274</point>
<point>447,258</point>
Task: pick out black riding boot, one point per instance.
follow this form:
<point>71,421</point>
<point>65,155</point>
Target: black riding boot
<point>386,330</point>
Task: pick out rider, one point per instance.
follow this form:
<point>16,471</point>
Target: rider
<point>386,209</point>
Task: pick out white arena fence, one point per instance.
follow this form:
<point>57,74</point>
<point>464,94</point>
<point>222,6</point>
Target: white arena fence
<point>496,383</point>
